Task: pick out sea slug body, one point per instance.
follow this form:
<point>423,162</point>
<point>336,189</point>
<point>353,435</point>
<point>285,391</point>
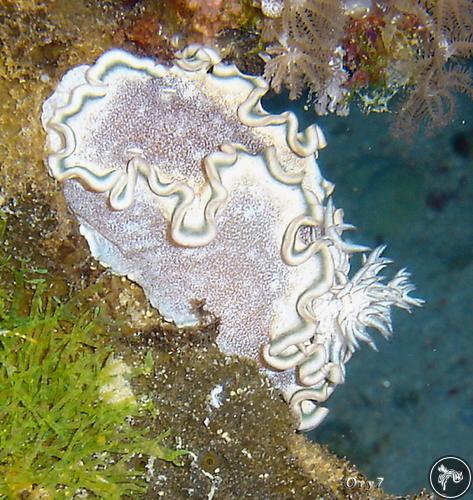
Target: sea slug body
<point>183,182</point>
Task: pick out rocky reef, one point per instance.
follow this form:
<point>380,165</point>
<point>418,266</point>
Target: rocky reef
<point>183,368</point>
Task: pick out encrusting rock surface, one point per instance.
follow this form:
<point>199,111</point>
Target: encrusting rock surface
<point>238,432</point>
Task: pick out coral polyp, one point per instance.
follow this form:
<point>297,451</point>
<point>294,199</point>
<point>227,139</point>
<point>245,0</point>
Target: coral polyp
<point>370,51</point>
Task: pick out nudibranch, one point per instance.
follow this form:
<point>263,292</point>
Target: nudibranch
<point>182,181</point>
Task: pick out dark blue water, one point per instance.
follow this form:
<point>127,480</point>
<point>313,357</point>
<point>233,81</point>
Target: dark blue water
<point>412,402</point>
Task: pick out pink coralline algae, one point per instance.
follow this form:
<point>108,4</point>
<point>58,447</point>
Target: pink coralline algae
<point>184,183</point>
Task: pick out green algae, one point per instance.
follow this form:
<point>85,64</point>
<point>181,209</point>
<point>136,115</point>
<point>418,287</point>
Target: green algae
<point>62,433</point>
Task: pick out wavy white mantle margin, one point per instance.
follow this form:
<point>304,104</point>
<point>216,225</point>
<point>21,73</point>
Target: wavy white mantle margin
<point>312,336</point>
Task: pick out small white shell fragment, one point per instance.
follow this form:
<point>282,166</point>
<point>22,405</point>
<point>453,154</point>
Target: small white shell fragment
<point>272,8</point>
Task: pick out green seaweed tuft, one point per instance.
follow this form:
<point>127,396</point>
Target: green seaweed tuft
<point>70,421</point>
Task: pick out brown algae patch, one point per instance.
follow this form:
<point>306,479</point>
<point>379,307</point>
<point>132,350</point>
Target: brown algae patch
<point>237,430</point>
<point>230,419</point>
<point>38,42</point>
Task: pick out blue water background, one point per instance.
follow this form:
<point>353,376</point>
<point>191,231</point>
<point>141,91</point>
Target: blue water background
<point>412,402</point>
